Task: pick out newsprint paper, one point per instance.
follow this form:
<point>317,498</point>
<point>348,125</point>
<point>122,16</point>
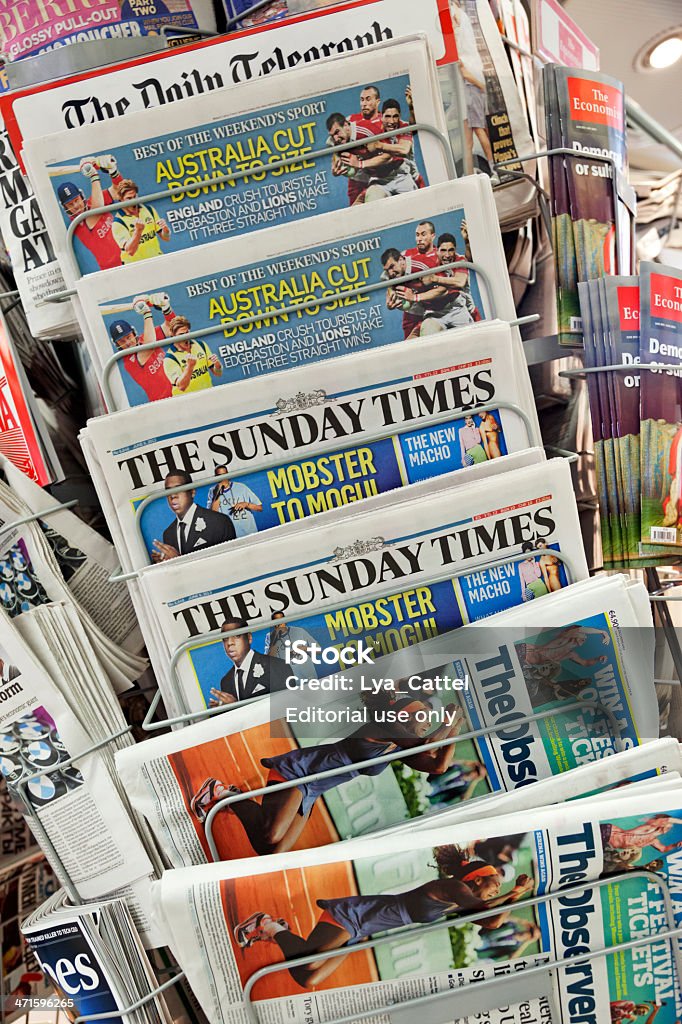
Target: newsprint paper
<point>226,921</point>
<point>490,675</point>
<point>243,131</point>
<point>308,440</point>
<point>239,293</point>
<point>326,578</point>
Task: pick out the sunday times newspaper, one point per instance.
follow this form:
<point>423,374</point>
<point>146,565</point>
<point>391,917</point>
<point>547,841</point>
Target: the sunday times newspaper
<point>289,446</point>
<point>239,131</point>
<point>225,921</point>
<point>361,577</point>
<point>238,292</point>
<point>497,674</point>
<point>78,806</point>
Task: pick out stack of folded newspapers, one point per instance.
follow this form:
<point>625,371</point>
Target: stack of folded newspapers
<point>93,957</point>
<point>457,915</point>
<point>56,704</point>
<point>402,568</point>
<point>56,557</point>
<point>533,692</point>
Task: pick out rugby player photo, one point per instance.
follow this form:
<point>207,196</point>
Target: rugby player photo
<point>95,232</point>
<point>192,528</point>
<point>137,228</point>
<point>146,368</point>
<point>379,169</point>
<point>235,499</point>
<point>436,302</point>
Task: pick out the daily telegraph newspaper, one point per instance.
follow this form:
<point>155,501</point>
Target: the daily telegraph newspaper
<point>322,268</point>
<point>93,959</point>
<point>242,131</point>
<point>291,445</point>
<point>79,807</point>
<point>244,915</point>
<point>555,656</point>
<point>661,430</point>
<point>363,576</point>
<point>22,889</point>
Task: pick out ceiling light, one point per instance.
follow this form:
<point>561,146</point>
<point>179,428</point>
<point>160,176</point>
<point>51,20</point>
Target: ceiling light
<point>661,52</point>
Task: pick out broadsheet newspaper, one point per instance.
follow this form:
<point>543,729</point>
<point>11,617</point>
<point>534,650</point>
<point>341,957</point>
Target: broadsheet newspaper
<point>242,131</point>
<point>243,915</point>
<point>321,267</point>
<point>289,446</point>
<point>496,674</point>
<point>362,577</point>
<point>78,806</point>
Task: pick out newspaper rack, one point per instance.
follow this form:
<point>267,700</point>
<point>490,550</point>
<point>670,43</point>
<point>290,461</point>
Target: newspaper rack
<point>219,634</point>
<point>330,773</point>
<point>8,527</point>
<point>379,435</point>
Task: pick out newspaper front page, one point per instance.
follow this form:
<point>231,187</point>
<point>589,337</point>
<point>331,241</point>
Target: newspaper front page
<point>226,921</point>
<point>290,446</point>
<point>269,146</point>
<point>323,269</point>
<point>326,579</point>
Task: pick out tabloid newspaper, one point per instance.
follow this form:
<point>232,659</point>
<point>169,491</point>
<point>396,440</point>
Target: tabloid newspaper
<point>359,577</point>
<point>79,807</point>
<point>226,921</point>
<point>191,71</point>
<point>491,675</point>
<point>661,431</point>
<point>321,266</point>
<point>241,130</point>
<point>94,960</point>
<point>287,446</point>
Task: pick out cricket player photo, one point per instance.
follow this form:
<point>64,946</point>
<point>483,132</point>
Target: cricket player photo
<point>146,368</point>
<point>95,233</point>
<point>189,364</point>
<point>192,528</point>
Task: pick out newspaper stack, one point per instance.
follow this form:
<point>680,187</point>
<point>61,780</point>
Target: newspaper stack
<point>236,130</point>
<point>94,960</point>
<point>545,885</point>
<point>240,296</point>
<point>526,662</point>
<point>400,569</point>
<point>265,452</point>
<point>585,113</point>
<point>59,558</point>
<point>22,888</point>
<point>56,703</point>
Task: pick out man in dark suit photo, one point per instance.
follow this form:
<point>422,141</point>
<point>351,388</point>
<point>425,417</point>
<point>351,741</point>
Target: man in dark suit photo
<point>252,674</point>
<point>193,528</point>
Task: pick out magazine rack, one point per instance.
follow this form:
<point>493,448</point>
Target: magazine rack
<point>358,766</point>
<point>386,433</point>
<point>34,516</point>
<point>202,639</point>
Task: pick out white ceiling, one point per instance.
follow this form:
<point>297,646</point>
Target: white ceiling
<point>620,28</point>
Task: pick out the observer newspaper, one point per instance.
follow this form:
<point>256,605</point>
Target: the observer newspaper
<point>77,806</point>
<point>563,656</point>
<point>242,131</point>
<point>325,266</point>
<point>326,575</point>
<point>225,921</point>
<point>289,446</point>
